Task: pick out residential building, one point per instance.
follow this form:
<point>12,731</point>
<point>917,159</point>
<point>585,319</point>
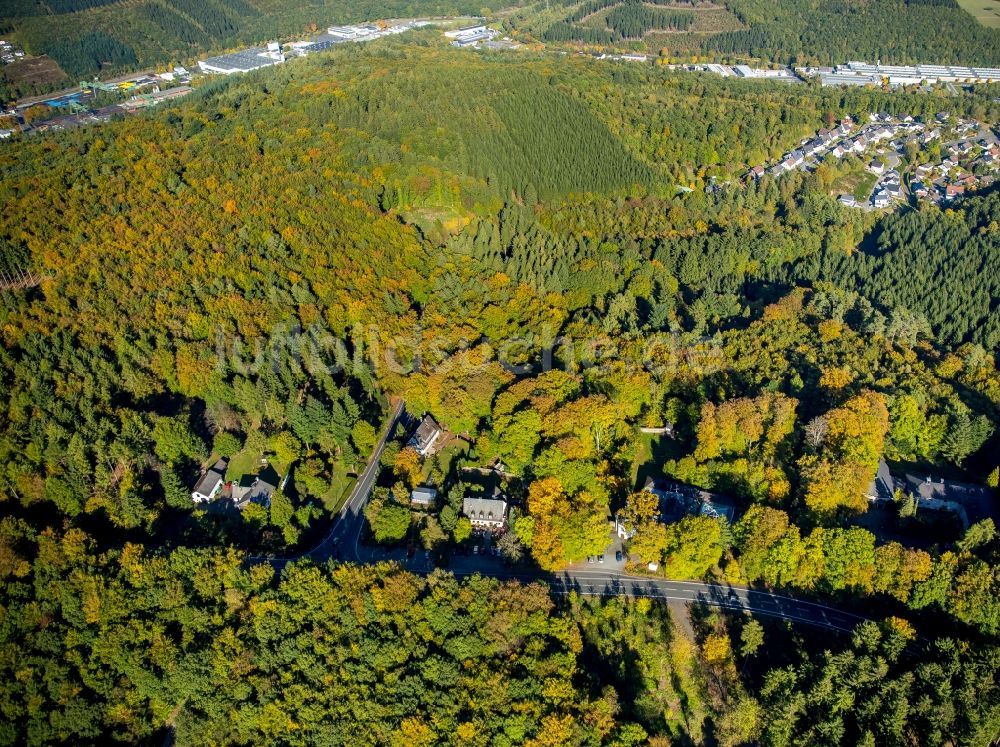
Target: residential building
<point>675,501</point>
<point>953,191</point>
<point>255,488</point>
<point>426,437</point>
<point>423,496</point>
<point>715,506</point>
<point>932,495</point>
<point>894,189</point>
<point>210,483</point>
<point>883,487</point>
<point>486,513</point>
<point>944,495</point>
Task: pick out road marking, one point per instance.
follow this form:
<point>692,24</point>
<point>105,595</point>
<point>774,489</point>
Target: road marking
<point>728,605</point>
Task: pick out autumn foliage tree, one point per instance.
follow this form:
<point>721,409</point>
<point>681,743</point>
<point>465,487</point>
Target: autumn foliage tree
<point>836,475</point>
<point>565,528</point>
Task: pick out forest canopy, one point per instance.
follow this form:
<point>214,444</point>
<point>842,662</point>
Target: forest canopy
<point>548,255</point>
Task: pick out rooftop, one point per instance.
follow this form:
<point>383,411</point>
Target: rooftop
<point>484,509</point>
<point>242,61</point>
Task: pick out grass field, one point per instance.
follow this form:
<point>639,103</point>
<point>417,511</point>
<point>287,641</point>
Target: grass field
<point>650,454</point>
<point>243,462</point>
<point>340,488</point>
<point>865,185</point>
<point>987,12</point>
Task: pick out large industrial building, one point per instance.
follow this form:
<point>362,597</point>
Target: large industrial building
<point>353,33</point>
<point>244,61</point>
<point>863,73</point>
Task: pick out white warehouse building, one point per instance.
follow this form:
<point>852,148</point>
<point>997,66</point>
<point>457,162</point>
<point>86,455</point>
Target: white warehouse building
<point>244,61</point>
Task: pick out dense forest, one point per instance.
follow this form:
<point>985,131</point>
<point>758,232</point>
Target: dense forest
<point>196,644</point>
<point>831,33</point>
<point>631,19</point>
<point>944,266</point>
<point>792,31</point>
<point>533,250</point>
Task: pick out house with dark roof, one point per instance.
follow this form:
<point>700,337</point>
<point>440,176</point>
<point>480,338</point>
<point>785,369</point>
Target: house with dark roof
<point>956,498</point>
<point>893,188</point>
<point>210,483</point>
<point>486,513</point>
<point>675,501</point>
<point>672,505</point>
<point>947,495</point>
<point>255,488</point>
<point>426,437</point>
<point>883,487</point>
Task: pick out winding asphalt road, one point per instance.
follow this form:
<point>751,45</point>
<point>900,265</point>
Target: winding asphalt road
<point>345,535</point>
<point>737,598</point>
<point>343,542</point>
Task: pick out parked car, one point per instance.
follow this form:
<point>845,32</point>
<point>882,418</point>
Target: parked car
<point>618,556</point>
<point>590,558</point>
<point>600,558</point>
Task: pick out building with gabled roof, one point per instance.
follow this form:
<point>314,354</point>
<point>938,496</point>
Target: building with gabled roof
<point>426,437</point>
<point>210,483</point>
<point>255,488</point>
<point>486,513</point>
<point>423,496</point>
<point>883,487</point>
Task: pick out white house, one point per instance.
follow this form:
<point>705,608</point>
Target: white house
<point>426,436</point>
<point>485,513</point>
<point>423,496</point>
<point>209,485</point>
<point>880,199</point>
